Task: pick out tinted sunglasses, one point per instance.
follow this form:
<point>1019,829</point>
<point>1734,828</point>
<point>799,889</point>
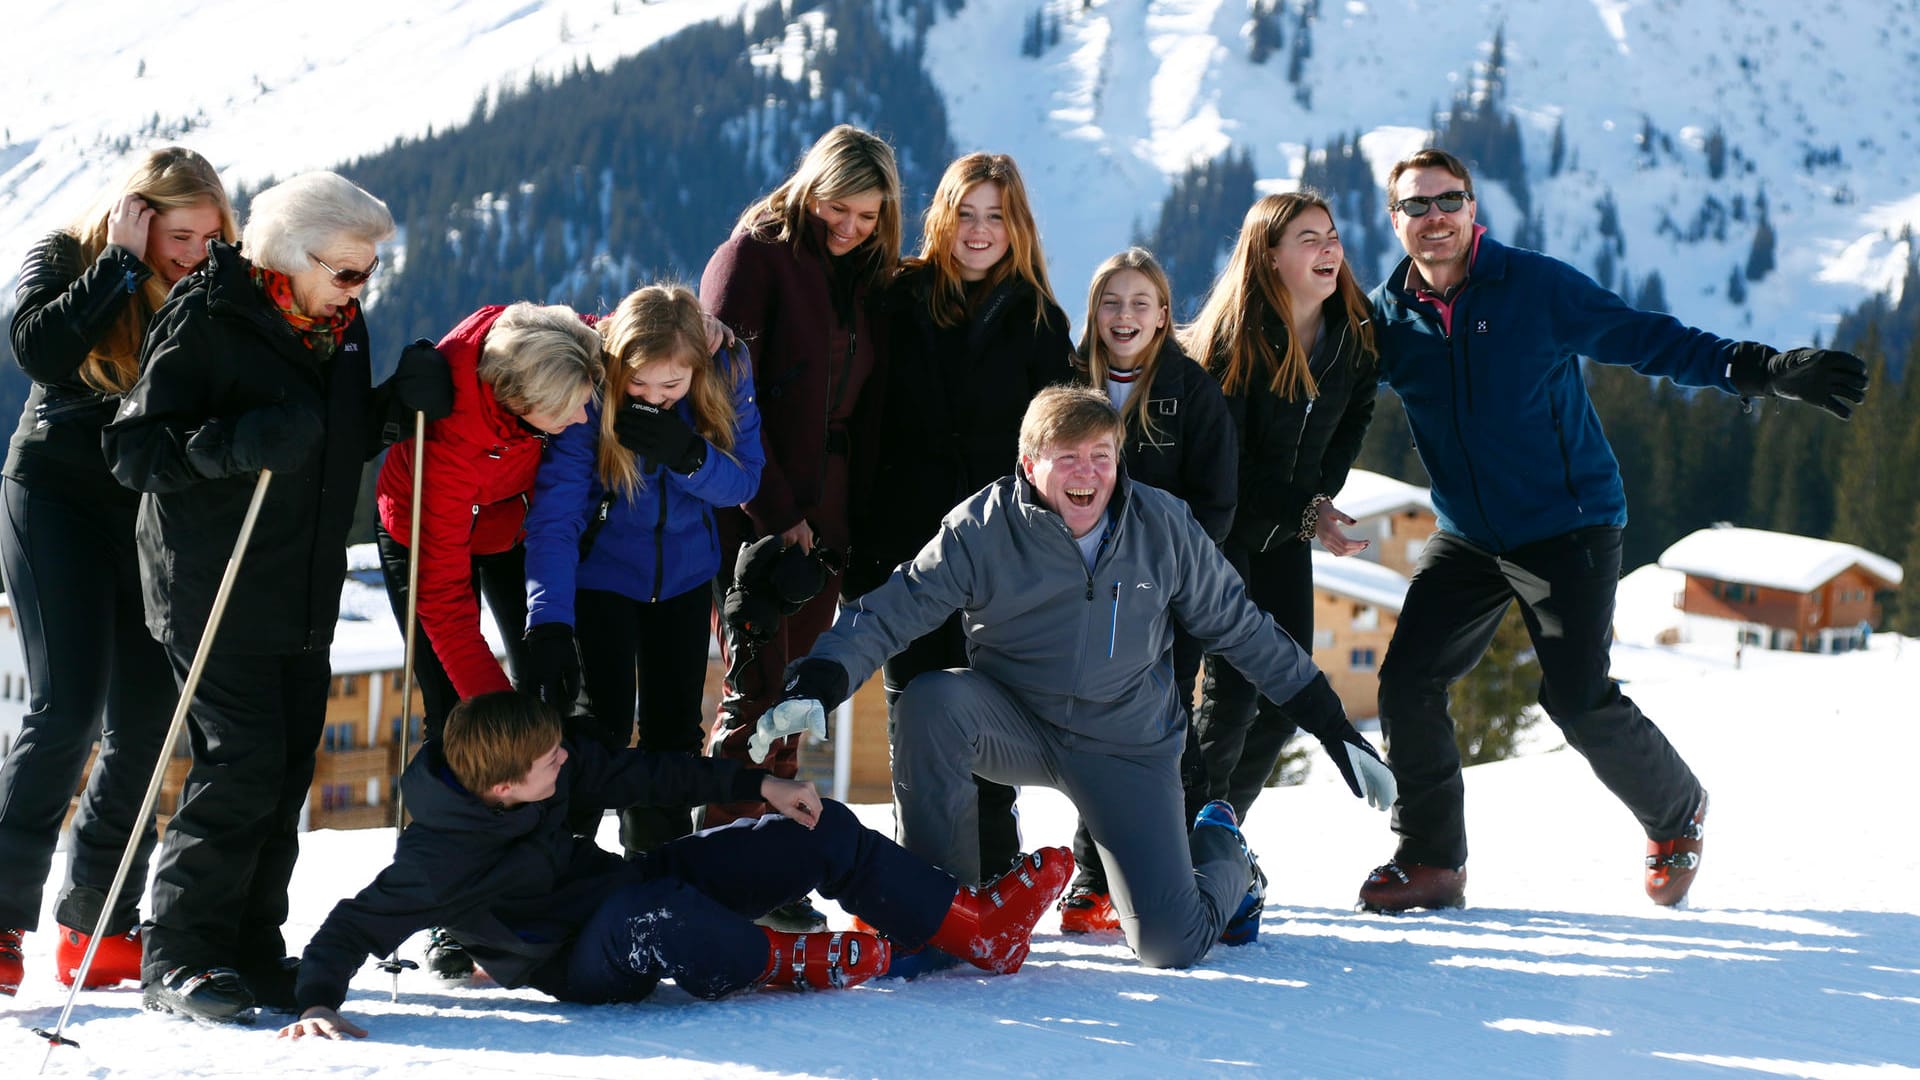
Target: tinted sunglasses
<point>347,279</point>
<point>1418,205</point>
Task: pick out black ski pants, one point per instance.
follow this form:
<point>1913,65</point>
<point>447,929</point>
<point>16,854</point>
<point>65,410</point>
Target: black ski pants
<point>946,648</point>
<point>501,578</point>
<point>1241,733</point>
<point>220,889</point>
<point>74,581</point>
<point>646,661</point>
<point>1565,587</point>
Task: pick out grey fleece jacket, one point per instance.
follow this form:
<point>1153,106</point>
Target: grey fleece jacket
<point>1088,651</point>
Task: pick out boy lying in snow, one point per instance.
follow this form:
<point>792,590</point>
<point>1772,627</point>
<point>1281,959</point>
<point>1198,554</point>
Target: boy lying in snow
<point>489,857</point>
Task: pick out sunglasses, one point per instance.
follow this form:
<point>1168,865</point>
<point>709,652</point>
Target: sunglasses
<point>347,279</point>
<point>1417,205</point>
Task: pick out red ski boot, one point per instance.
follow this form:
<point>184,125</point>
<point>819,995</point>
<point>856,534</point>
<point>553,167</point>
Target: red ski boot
<point>1088,909</point>
<point>991,926</point>
<point>1671,864</point>
<point>11,966</point>
<point>117,960</point>
<point>823,960</point>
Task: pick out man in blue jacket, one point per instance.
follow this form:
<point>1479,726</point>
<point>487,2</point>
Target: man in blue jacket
<point>1483,344</point>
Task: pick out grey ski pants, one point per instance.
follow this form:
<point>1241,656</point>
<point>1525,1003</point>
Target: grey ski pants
<point>1173,893</point>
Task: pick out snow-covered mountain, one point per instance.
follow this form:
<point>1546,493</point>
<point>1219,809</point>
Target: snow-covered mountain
<point>1682,118</point>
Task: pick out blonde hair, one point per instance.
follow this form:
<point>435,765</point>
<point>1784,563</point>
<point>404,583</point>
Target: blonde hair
<point>1023,260</point>
<point>170,178</point>
<point>661,322</point>
<point>1065,415</point>
<point>291,220</point>
<point>495,738</point>
<point>1093,351</point>
<point>845,162</point>
<point>541,358</point>
<point>1229,334</point>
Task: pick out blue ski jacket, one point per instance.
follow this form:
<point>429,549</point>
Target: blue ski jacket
<point>1491,381</point>
<point>652,547</point>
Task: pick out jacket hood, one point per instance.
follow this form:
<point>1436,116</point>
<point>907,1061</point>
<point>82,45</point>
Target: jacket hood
<point>436,800</point>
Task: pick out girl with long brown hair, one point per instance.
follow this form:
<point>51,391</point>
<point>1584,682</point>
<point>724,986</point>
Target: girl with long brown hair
<point>1288,332</point>
<point>86,295</point>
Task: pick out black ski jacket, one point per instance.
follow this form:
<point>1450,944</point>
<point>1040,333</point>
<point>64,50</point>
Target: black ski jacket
<point>1190,451</point>
<point>62,307</point>
<point>1292,450</point>
<point>512,885</point>
<point>951,416</point>
<point>217,349</point>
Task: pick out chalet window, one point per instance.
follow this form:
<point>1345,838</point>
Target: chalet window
<point>1366,617</point>
<point>337,737</point>
<point>1360,659</point>
<point>1322,638</point>
<point>348,687</point>
<point>395,680</point>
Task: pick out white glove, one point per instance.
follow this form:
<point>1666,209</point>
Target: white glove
<point>1375,779</point>
<point>790,717</point>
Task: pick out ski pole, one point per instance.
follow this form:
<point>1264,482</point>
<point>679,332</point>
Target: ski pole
<point>393,965</point>
<point>55,1038</point>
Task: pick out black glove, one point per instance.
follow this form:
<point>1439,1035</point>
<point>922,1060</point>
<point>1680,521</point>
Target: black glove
<point>1824,378</point>
<point>810,679</point>
<point>281,437</point>
<point>1317,709</point>
<point>659,435</point>
<point>750,613</point>
<point>422,381</point>
<point>554,666</point>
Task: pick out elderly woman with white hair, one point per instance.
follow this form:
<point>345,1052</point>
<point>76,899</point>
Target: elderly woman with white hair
<point>256,362</point>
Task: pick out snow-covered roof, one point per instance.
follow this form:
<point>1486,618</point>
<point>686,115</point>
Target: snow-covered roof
<point>1771,559</point>
<point>1358,579</point>
<point>367,637</point>
<point>1369,493</point>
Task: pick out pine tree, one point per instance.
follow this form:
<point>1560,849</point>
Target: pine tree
<point>1557,154</point>
<point>1736,287</point>
<point>1716,153</point>
<point>1491,704</point>
<point>1760,255</point>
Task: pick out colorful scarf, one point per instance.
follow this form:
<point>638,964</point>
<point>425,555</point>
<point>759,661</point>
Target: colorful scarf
<point>320,334</point>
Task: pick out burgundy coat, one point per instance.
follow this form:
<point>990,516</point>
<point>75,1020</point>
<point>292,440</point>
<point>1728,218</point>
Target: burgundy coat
<point>778,298</point>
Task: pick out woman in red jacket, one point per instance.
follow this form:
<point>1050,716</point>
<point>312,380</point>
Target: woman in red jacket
<point>520,374</point>
<point>794,281</point>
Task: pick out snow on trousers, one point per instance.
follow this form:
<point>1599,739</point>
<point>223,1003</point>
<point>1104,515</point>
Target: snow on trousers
<point>1172,891</point>
<point>686,913</point>
<point>74,583</point>
<point>1565,585</point>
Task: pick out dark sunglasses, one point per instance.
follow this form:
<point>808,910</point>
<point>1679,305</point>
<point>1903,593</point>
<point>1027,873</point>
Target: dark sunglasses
<point>347,279</point>
<point>1417,205</point>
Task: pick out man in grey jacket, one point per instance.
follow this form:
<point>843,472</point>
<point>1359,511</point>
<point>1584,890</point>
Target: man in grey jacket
<point>1068,579</point>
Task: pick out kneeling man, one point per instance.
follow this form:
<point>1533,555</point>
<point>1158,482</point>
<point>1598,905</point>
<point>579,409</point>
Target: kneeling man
<point>1069,579</point>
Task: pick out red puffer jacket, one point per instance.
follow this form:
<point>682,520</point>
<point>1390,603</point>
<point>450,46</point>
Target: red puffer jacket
<point>477,477</point>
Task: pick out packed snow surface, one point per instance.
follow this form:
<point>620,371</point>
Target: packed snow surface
<point>1800,955</point>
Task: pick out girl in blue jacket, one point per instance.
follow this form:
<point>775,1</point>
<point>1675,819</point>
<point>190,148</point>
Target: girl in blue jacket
<point>621,545</point>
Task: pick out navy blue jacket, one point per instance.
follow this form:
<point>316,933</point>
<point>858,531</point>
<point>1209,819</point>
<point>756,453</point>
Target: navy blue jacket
<point>1494,394</point>
<point>652,547</point>
<point>514,885</point>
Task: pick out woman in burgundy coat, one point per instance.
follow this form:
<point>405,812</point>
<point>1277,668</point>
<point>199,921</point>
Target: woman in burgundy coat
<point>794,282</point>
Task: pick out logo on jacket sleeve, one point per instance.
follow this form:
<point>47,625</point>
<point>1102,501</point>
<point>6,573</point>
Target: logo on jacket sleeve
<point>1479,326</point>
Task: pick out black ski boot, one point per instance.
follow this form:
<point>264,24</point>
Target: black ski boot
<point>216,995</point>
<point>447,958</point>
